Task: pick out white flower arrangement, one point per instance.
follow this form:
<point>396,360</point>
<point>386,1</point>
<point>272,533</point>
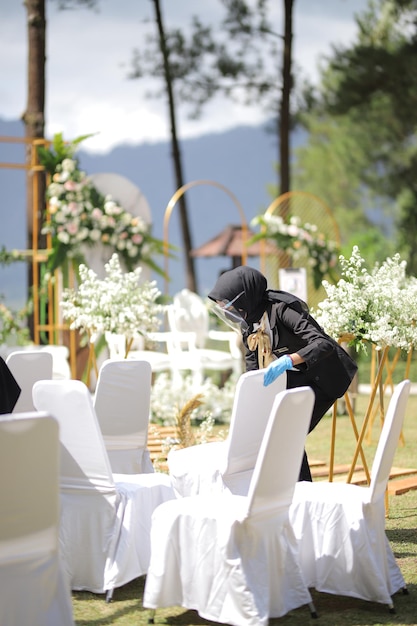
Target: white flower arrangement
<point>296,239</point>
<point>79,215</point>
<point>377,306</point>
<point>119,303</point>
<point>166,399</point>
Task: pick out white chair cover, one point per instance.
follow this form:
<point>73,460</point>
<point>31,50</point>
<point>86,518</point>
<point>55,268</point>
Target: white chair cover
<point>105,518</point>
<point>228,465</point>
<point>60,357</point>
<point>33,588</point>
<point>234,558</point>
<point>122,404</point>
<point>340,528</point>
<point>28,366</point>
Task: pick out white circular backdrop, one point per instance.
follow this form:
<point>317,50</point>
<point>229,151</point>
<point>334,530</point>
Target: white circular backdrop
<point>131,199</point>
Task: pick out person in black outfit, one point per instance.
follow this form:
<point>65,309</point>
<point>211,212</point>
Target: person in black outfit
<point>279,334</point>
<point>9,389</point>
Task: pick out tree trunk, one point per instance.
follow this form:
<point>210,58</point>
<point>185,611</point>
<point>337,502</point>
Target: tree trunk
<point>176,155</point>
<point>34,118</point>
<point>285,116</point>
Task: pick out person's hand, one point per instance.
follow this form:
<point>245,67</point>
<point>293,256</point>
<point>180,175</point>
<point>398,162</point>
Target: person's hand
<point>276,368</point>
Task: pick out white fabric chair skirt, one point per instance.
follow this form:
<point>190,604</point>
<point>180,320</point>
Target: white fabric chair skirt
<point>336,555</point>
<point>254,578</point>
<point>340,527</point>
<point>234,558</point>
<point>35,592</point>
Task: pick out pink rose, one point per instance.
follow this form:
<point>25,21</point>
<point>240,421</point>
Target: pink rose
<point>69,185</point>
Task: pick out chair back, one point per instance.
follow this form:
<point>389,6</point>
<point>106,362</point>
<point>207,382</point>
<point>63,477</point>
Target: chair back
<point>33,584</point>
<point>28,366</point>
<point>188,313</point>
<point>29,489</point>
<point>388,440</point>
<point>85,466</point>
<point>278,464</point>
<point>250,414</point>
<point>122,405</point>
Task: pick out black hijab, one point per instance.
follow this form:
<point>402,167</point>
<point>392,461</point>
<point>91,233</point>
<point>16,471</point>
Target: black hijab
<point>253,301</point>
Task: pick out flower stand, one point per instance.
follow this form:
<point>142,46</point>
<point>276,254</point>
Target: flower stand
<point>376,386</point>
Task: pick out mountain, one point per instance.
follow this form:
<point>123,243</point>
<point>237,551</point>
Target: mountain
<point>239,164</point>
<point>13,214</point>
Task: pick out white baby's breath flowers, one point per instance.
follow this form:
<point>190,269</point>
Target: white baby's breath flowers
<point>167,399</point>
<point>120,303</point>
<point>377,306</point>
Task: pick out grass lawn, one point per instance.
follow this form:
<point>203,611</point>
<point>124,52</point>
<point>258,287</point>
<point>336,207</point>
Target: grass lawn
<point>401,524</point>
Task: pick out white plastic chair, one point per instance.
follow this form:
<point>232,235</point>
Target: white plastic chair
<point>228,465</point>
<point>158,359</point>
<point>28,366</point>
<point>105,517</point>
<point>234,558</point>
<point>33,587</point>
<point>122,404</point>
<point>188,314</point>
<point>340,527</point>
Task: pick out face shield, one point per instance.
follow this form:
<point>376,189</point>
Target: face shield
<point>229,314</point>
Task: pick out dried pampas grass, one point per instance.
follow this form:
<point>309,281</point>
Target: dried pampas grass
<point>183,421</point>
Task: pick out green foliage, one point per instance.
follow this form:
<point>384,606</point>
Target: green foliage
<point>373,244</point>
<point>372,86</point>
<point>407,240</point>
<point>328,165</point>
<point>362,152</point>
<point>7,257</point>
<point>53,156</point>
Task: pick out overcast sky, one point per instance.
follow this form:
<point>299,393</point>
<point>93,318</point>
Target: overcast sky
<point>88,55</point>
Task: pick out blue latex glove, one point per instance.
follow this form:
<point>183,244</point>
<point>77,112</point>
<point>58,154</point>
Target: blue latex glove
<point>276,368</point>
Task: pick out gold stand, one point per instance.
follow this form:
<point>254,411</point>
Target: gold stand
<point>376,386</point>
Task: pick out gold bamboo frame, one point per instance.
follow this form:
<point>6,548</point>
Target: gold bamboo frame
<point>38,256</point>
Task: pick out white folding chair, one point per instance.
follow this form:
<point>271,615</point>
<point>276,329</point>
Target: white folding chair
<point>28,366</point>
<point>188,314</point>
<point>105,517</point>
<point>228,465</point>
<point>159,360</point>
<point>234,558</point>
<point>340,527</point>
<point>122,404</point>
<point>33,587</point>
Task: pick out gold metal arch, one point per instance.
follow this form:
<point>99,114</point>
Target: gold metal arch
<point>309,208</point>
<point>173,201</point>
<point>306,199</point>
